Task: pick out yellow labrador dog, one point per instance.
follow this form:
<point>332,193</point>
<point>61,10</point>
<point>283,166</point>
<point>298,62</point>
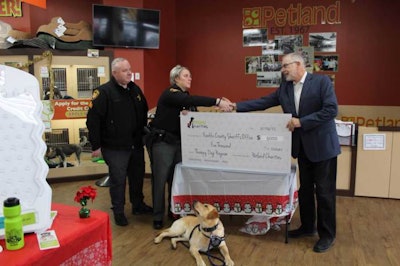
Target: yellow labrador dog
<point>203,232</point>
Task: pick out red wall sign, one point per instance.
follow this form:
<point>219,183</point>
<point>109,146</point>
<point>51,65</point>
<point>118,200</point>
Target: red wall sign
<point>70,109</point>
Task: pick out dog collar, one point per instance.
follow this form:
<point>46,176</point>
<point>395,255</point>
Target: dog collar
<point>207,229</point>
<point>210,229</point>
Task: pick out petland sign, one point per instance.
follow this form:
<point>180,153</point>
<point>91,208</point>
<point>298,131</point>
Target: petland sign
<point>294,15</point>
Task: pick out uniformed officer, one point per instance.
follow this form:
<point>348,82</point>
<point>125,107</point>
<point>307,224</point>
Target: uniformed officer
<point>166,147</point>
<point>115,122</point>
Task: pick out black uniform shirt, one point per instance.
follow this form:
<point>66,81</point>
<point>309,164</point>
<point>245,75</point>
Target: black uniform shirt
<point>171,102</point>
<point>117,116</point>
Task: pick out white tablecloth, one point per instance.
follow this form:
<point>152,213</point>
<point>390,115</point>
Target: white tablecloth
<point>235,192</point>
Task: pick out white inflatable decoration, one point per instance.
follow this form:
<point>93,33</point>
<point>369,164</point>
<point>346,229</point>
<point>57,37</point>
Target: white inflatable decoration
<point>23,170</point>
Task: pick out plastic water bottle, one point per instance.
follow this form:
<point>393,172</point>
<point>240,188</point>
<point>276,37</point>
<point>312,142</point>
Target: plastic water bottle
<point>14,234</point>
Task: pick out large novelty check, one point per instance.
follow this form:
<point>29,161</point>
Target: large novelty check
<point>242,141</point>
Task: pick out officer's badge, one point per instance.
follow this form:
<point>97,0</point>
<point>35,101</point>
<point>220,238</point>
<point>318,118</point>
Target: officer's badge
<point>95,94</point>
<point>173,90</point>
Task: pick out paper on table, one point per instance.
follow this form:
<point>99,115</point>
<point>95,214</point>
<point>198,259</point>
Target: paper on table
<point>47,240</point>
<point>53,215</point>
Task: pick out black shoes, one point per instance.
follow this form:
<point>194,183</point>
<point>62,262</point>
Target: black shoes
<point>323,244</point>
<point>142,209</point>
<point>158,225</point>
<point>301,232</point>
<point>120,219</point>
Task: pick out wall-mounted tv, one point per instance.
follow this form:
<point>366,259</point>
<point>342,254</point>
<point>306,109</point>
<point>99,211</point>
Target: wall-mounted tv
<point>126,27</point>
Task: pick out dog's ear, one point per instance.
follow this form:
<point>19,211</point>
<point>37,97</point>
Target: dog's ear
<point>213,214</point>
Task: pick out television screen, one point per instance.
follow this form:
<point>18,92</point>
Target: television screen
<point>126,27</point>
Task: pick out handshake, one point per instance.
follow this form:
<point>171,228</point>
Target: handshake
<point>225,105</point>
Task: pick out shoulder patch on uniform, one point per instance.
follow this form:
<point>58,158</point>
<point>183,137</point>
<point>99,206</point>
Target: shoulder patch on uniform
<point>173,90</point>
<point>95,94</point>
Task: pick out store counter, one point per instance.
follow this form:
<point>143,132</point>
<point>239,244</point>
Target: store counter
<point>83,241</point>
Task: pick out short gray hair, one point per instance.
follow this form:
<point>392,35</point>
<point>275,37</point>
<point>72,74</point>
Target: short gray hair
<point>175,72</point>
<point>116,61</point>
<point>296,57</point>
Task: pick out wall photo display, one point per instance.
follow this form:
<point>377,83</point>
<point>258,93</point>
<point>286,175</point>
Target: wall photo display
<point>269,79</point>
<point>287,43</point>
<point>323,41</point>
<point>252,64</point>
<point>264,63</point>
<point>317,49</point>
<point>254,37</point>
<point>326,63</point>
<point>271,48</point>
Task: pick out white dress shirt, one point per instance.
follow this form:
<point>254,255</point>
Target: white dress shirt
<point>298,87</point>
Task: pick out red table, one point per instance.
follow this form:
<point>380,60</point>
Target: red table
<point>82,241</point>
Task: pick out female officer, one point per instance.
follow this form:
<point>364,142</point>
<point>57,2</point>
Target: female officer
<point>166,148</point>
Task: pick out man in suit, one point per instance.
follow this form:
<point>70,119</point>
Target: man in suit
<point>312,102</point>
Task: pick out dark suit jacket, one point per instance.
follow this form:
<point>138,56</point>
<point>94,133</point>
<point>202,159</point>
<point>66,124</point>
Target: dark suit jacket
<point>317,111</point>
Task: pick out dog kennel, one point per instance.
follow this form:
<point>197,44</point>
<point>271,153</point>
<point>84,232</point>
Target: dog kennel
<point>57,136</point>
<point>84,139</point>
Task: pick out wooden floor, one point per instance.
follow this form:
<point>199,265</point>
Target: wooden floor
<point>368,232</point>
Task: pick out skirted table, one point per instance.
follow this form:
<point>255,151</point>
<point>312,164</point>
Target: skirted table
<point>83,241</point>
<point>235,192</point>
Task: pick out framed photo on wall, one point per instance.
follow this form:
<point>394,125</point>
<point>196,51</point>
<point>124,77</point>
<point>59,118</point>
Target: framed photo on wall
<point>307,53</point>
<point>266,63</point>
<point>271,47</point>
<point>326,63</point>
<point>287,43</point>
<point>269,79</point>
<point>270,63</point>
<point>254,37</point>
<point>252,64</point>
<point>323,41</point>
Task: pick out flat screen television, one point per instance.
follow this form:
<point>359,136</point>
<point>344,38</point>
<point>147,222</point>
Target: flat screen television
<point>126,27</point>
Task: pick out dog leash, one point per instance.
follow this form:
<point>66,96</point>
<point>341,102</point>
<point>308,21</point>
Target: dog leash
<point>209,255</point>
<point>215,241</point>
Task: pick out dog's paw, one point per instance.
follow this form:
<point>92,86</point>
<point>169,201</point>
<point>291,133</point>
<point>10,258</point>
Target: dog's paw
<point>229,263</point>
<point>173,244</point>
<point>157,240</point>
<point>201,263</point>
